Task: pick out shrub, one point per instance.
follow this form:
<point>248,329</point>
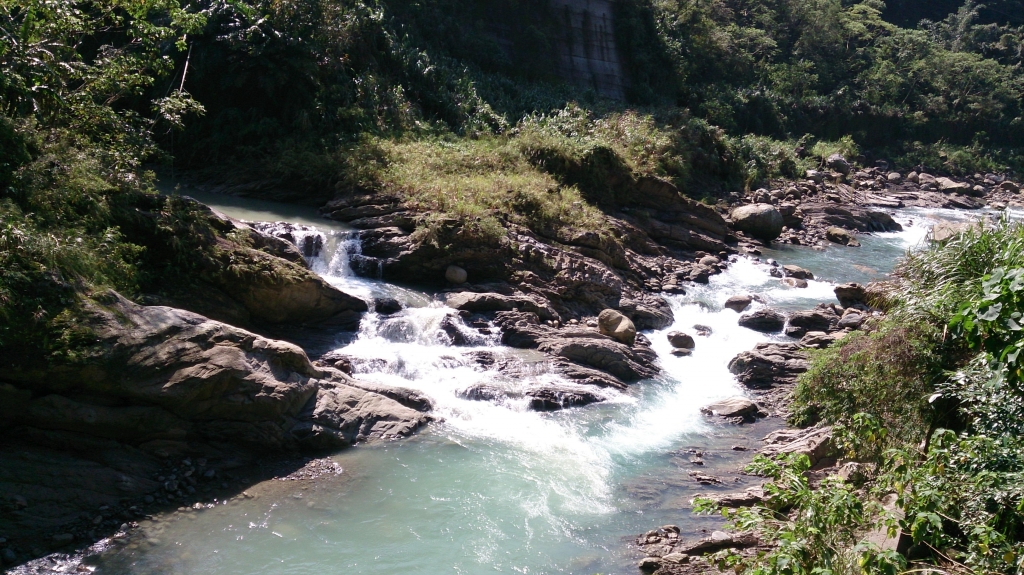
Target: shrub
<point>889,374</point>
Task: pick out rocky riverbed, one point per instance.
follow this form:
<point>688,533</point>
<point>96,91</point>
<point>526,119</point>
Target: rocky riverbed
<point>181,400</point>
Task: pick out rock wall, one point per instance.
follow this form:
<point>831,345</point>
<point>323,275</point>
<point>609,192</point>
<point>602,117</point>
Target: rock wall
<point>587,54</point>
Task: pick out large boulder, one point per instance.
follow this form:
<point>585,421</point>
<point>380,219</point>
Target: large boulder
<point>738,303</point>
<point>840,236</point>
<point>762,221</point>
<point>456,275</point>
<point>763,320</point>
<point>792,271</point>
<point>848,217</point>
<point>616,326</point>
<point>680,340</point>
<point>822,318</point>
<point>731,407</point>
<point>603,354</point>
<point>769,364</point>
<point>491,302</point>
<point>949,186</point>
<point>156,384</point>
<point>838,163</point>
<point>851,294</point>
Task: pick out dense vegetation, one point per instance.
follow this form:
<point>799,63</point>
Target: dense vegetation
<point>939,413</point>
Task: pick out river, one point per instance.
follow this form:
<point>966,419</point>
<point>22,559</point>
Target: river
<point>494,487</point>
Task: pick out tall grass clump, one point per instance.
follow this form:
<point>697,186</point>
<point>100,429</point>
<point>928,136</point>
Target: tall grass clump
<point>931,284</point>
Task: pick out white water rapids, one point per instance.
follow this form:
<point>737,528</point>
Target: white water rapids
<point>493,487</point>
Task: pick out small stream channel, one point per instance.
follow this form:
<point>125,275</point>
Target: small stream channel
<point>494,487</point>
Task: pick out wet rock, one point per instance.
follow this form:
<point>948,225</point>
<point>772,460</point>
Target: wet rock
<point>450,326</point>
<point>648,312</point>
<point>821,318</point>
<point>555,398</point>
<point>702,330</point>
<point>841,236</point>
<point>848,217</point>
<point>762,221</point>
<point>732,407</point>
<point>794,282</point>
<point>616,326</point>
<point>491,302</point>
<point>851,294</point>
<point>1009,186</point>
<point>483,392</point>
<point>181,375</point>
<point>738,303</point>
<point>682,352</point>
<point>717,541</point>
<point>603,354</point>
<point>763,320</point>
<point>837,163</point>
<point>704,478</point>
<point>386,305</point>
<point>455,275</point>
<point>769,364</point>
<point>792,271</point>
<point>585,375</point>
<point>681,340</point>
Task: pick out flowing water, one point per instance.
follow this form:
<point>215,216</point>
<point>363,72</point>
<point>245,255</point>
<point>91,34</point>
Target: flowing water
<point>493,487</point>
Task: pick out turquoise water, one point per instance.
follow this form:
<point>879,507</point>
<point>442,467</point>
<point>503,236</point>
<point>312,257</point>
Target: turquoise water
<point>493,487</point>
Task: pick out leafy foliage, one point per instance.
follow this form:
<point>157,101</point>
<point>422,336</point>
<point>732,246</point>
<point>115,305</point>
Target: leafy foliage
<point>818,530</point>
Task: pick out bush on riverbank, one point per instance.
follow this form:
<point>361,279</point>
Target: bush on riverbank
<point>932,405</point>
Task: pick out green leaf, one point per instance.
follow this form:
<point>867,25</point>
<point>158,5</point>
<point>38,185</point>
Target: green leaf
<point>991,313</point>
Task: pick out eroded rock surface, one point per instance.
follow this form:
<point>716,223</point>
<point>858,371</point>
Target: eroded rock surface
<point>160,381</point>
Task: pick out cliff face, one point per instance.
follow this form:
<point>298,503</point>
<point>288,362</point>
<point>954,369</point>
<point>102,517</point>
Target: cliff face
<point>587,54</point>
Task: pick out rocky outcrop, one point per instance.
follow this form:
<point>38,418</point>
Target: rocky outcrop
<point>769,364</point>
<point>584,347</point>
<point>539,398</point>
<point>848,217</point>
<point>156,382</point>
<point>159,374</point>
<point>604,355</point>
<point>815,443</point>
<point>655,242</point>
<point>491,302</point>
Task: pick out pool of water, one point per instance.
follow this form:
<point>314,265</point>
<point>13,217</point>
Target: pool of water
<point>494,487</point>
